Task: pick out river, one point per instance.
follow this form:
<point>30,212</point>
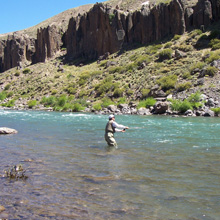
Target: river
<point>164,168</point>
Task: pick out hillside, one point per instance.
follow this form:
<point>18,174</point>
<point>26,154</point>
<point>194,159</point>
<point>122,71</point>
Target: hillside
<point>176,67</point>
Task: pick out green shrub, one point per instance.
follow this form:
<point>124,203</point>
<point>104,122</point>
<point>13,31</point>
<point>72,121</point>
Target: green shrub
<point>194,100</point>
<point>26,71</point>
<point>48,101</point>
<point>82,93</point>
<point>54,92</point>
<point>3,95</point>
<point>186,75</point>
<point>121,100</point>
<point>216,111</point>
<point>129,92</point>
<point>176,37</point>
<point>165,54</point>
<point>32,103</point>
<point>195,97</point>
<point>195,33</point>
<point>84,77</point>
<point>213,56</point>
<point>106,102</point>
<point>97,106</point>
<point>185,48</point>
<point>211,71</point>
<point>167,82</point>
<point>116,69</point>
<point>77,107</point>
<point>142,59</point>
<point>145,92</point>
<point>105,86</point>
<point>61,101</point>
<point>17,73</point>
<point>111,17</point>
<point>181,106</point>
<point>153,49</point>
<point>118,92</point>
<point>10,94</point>
<point>103,63</point>
<point>183,86</point>
<point>168,45</point>
<point>9,104</point>
<point>147,103</point>
<point>7,87</point>
<point>197,65</point>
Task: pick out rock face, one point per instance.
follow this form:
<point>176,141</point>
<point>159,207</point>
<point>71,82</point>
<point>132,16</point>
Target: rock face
<point>104,30</point>
<point>4,130</point>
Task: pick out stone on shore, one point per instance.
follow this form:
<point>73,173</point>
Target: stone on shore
<point>2,208</point>
<point>4,130</point>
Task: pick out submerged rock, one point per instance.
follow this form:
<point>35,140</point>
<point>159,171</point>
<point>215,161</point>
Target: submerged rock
<point>4,130</point>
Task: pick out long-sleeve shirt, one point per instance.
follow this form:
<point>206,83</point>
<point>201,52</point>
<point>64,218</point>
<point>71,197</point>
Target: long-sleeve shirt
<point>117,126</point>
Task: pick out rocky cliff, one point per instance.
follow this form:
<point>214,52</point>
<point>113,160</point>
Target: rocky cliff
<point>106,29</point>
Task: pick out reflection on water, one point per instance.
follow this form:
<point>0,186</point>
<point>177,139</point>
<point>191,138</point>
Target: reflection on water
<point>164,168</point>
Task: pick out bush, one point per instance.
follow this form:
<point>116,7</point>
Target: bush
<point>195,33</point>
<point>216,111</point>
<point>197,65</point>
<point>105,86</point>
<point>145,92</point>
<point>17,73</point>
<point>106,102</point>
<point>211,71</point>
<point>183,86</point>
<point>97,106</point>
<point>181,106</point>
<point>215,44</point>
<point>168,45</point>
<point>7,87</point>
<point>213,56</point>
<point>26,71</point>
<point>194,99</point>
<point>48,101</point>
<point>3,95</point>
<point>61,101</point>
<point>147,103</point>
<point>165,54</point>
<point>84,78</point>
<point>54,91</point>
<point>77,107</point>
<point>167,82</point>
<point>32,103</point>
<point>9,104</point>
<point>116,69</point>
<point>176,37</point>
<point>153,49</point>
<point>118,92</point>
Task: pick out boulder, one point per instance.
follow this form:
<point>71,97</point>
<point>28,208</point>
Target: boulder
<point>161,107</point>
<point>2,208</point>
<point>143,111</point>
<point>209,113</point>
<point>4,130</point>
<point>112,108</point>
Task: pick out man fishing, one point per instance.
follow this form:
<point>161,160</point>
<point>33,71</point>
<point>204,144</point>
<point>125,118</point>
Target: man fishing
<point>111,127</point>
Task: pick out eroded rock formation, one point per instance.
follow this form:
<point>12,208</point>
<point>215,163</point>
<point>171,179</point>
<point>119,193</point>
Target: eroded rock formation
<point>104,29</point>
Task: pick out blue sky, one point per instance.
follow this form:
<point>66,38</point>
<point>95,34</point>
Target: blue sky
<point>17,15</point>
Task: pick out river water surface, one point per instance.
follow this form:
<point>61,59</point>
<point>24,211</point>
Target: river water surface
<point>165,168</point>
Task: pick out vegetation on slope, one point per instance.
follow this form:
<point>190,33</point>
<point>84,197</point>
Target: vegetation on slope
<point>129,75</point>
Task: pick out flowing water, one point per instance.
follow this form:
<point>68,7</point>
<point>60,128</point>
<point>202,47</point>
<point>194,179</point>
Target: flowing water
<point>165,168</point>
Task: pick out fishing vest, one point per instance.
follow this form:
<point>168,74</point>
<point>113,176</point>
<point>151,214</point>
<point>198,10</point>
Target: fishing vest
<point>109,127</point>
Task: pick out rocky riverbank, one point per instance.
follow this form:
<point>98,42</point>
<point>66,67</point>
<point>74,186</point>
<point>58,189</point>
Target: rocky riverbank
<point>161,107</point>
